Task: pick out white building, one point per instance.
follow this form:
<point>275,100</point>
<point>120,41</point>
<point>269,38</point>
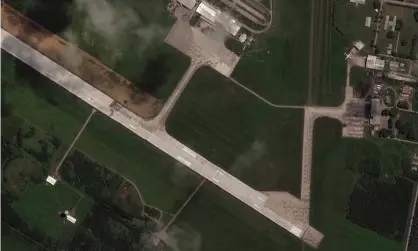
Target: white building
<point>213,15</point>
<point>188,3</point>
<point>51,180</point>
<point>368,21</point>
<point>357,2</point>
<point>375,63</point>
<point>359,45</point>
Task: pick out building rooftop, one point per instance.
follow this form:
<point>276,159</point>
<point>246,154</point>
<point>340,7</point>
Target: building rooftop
<point>358,1</point>
<point>373,62</point>
<point>215,16</point>
<point>188,3</point>
<point>51,180</point>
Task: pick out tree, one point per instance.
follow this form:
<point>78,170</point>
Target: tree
<point>399,24</point>
<point>390,34</point>
<point>393,112</point>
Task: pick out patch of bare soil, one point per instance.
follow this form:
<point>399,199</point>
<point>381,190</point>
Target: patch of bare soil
<point>80,63</point>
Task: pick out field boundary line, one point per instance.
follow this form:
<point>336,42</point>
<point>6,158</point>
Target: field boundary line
<point>93,111</point>
<point>183,206</point>
<point>26,236</point>
<point>264,99</point>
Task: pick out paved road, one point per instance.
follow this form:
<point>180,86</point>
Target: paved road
<point>158,138</point>
<point>160,119</point>
<point>404,4</point>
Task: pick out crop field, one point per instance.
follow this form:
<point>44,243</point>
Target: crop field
<point>213,220</point>
<point>127,36</point>
<point>259,144</point>
<point>329,68</point>
<point>343,172</point>
<point>276,66</point>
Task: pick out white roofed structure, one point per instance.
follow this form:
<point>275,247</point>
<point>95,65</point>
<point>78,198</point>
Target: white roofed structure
<point>368,21</point>
<point>375,63</point>
<point>188,3</point>
<point>51,180</point>
<point>71,218</point>
<point>213,15</point>
<point>357,2</point>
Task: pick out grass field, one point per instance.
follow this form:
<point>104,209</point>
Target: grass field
<point>338,166</point>
<point>350,20</point>
<point>12,240</point>
<point>329,68</point>
<point>127,36</point>
<point>213,220</point>
<point>259,144</point>
<point>276,66</point>
<point>163,181</point>
<point>40,205</point>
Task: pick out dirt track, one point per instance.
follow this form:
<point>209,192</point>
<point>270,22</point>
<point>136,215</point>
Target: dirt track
<point>80,63</point>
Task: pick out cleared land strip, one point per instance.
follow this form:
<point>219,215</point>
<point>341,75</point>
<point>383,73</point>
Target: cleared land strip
<point>88,68</point>
<point>158,138</point>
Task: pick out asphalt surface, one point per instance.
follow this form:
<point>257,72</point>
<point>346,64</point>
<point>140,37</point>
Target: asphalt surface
<point>159,138</point>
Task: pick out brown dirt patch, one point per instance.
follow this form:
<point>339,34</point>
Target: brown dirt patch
<point>80,63</point>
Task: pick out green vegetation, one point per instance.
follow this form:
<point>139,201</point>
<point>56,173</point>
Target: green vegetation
<point>415,101</point>
<point>40,205</point>
<point>360,81</point>
<point>213,220</point>
<point>276,65</point>
<point>259,144</point>
<point>163,181</point>
<point>89,177</point>
<point>329,69</point>
<point>349,19</point>
<point>341,165</point>
<point>407,126</point>
<point>127,36</point>
<point>106,228</point>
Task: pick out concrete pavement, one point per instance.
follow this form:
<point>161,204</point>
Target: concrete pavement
<point>160,119</point>
<point>159,138</point>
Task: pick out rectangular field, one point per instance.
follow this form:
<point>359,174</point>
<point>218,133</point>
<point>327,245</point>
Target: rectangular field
<point>340,165</point>
<point>257,143</point>
<point>328,66</point>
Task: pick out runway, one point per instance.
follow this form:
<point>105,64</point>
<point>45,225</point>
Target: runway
<point>157,137</point>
